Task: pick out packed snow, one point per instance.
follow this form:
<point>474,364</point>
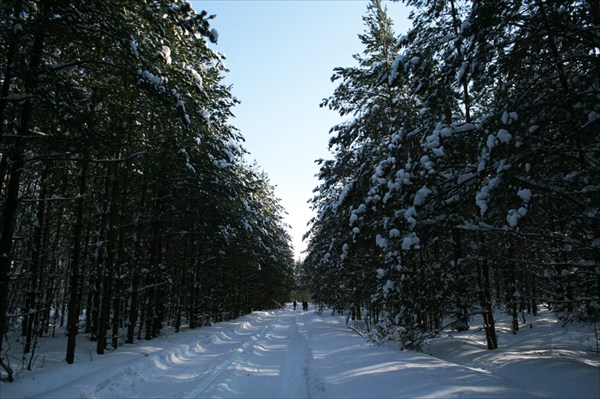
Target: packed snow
<point>302,354</point>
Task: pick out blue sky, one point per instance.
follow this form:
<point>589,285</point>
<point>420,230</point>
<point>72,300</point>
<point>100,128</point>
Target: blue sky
<point>281,55</point>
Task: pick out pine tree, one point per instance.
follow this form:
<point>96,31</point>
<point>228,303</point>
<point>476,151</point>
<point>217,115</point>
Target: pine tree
<point>123,128</point>
<point>458,194</point>
<point>349,210</point>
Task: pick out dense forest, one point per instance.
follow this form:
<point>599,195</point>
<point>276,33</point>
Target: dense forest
<point>126,202</point>
<point>465,178</point>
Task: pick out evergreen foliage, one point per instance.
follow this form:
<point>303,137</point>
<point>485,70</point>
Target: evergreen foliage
<point>465,177</point>
<point>126,203</point>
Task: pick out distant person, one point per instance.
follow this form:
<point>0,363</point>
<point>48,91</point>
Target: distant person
<point>304,305</point>
<point>294,305</point>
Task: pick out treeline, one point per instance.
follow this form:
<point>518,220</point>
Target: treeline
<point>126,202</point>
<point>466,176</point>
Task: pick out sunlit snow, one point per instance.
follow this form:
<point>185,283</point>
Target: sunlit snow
<point>300,354</point>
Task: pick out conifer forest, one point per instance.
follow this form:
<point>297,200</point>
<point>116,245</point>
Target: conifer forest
<point>126,202</point>
<point>467,177</point>
<point>463,180</point>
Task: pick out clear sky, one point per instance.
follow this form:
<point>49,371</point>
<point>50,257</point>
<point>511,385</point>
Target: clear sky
<point>281,55</point>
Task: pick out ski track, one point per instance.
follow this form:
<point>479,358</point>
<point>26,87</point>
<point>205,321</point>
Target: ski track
<point>274,354</point>
<point>299,375</point>
<point>190,370</point>
<point>212,377</point>
<point>270,359</point>
<point>275,365</point>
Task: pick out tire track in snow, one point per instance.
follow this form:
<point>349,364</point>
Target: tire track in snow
<point>277,364</point>
<point>295,375</point>
<point>269,356</point>
<point>210,379</point>
<point>261,369</point>
<point>179,367</point>
<point>299,350</point>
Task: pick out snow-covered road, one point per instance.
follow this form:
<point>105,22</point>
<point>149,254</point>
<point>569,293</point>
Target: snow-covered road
<point>276,354</point>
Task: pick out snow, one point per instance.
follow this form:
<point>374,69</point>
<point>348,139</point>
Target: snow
<point>507,117</point>
<point>515,214</point>
<point>342,195</point>
<point>190,167</point>
<point>389,286</point>
<point>512,218</point>
<point>465,177</point>
<point>463,127</point>
<point>166,53</point>
<point>286,354</point>
<point>438,152</point>
<point>394,69</point>
<point>16,97</point>
<point>421,196</point>
<point>353,218</point>
<point>491,141</point>
<point>220,163</point>
<point>206,116</point>
<point>409,241</point>
<point>214,35</point>
<point>150,77</point>
<point>409,215</point>
<point>426,162</point>
<point>448,37</point>
<point>483,195</point>
<point>504,136</point>
<point>134,48</point>
<point>524,194</point>
<point>380,241</point>
<point>546,358</point>
<point>197,77</point>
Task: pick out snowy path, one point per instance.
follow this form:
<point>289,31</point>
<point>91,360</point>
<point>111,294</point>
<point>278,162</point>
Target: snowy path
<point>275,354</point>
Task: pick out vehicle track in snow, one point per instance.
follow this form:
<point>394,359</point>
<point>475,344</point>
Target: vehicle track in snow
<point>270,354</point>
<point>266,355</point>
<point>270,359</point>
<point>277,364</point>
<point>188,370</point>
<point>216,374</point>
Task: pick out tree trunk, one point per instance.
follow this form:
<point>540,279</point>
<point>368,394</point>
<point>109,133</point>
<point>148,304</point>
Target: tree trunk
<point>192,305</point>
<point>15,169</point>
<point>111,252</point>
<point>133,306</point>
<point>9,55</point>
<point>149,314</point>
<point>95,310</point>
<point>142,315</point>
<point>33,299</point>
<point>513,296</point>
<point>462,311</point>
<point>485,299</point>
<point>73,310</point>
<point>118,282</point>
